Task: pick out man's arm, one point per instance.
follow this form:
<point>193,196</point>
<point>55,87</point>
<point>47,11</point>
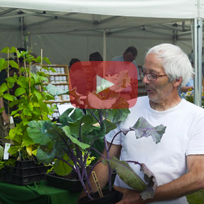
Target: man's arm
<point>101,170</point>
<point>186,88</point>
<point>186,184</point>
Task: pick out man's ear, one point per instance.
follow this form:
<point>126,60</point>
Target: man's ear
<point>178,82</point>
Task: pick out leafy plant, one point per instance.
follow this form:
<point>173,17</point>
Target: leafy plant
<point>28,101</point>
<point>69,143</point>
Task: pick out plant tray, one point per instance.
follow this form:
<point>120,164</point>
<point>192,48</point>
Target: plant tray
<point>67,183</point>
<point>25,175</point>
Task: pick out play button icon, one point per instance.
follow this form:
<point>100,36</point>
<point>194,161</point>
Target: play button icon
<point>103,85</point>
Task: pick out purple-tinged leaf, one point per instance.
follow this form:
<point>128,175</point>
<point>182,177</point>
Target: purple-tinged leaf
<point>143,128</point>
<point>152,183</point>
<point>126,173</point>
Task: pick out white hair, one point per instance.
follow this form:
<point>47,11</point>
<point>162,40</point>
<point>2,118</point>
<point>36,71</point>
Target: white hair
<point>175,62</point>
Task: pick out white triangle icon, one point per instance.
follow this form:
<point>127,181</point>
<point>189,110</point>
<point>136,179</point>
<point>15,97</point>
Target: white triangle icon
<point>102,84</point>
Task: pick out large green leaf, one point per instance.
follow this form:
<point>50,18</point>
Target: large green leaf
<point>126,173</point>
<point>45,157</point>
<point>61,167</point>
<point>37,131</point>
<point>54,90</point>
<point>74,140</point>
<point>64,116</point>
<point>143,128</point>
<point>117,115</point>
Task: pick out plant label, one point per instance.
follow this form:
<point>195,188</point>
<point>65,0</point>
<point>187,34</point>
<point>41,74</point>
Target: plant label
<point>6,154</point>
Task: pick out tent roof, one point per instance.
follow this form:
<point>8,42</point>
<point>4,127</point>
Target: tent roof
<point>113,16</point>
<point>184,9</point>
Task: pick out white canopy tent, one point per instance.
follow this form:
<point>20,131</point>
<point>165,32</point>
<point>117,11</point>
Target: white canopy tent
<point>66,29</point>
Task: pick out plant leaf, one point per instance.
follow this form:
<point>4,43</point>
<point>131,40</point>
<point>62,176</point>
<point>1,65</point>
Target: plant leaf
<point>54,90</point>
<point>61,167</point>
<point>37,132</point>
<point>13,64</point>
<point>45,157</point>
<point>126,173</point>
<point>74,140</point>
<point>143,128</point>
<point>3,87</point>
<point>19,91</point>
<point>8,97</point>
<point>152,183</point>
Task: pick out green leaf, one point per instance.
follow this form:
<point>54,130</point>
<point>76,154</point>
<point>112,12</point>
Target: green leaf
<point>109,126</point>
<point>3,64</point>
<point>13,150</point>
<point>126,173</point>
<point>44,157</point>
<point>5,50</point>
<point>37,94</point>
<point>27,112</point>
<point>13,64</point>
<point>37,131</point>
<point>46,60</point>
<point>143,128</point>
<point>19,91</point>
<point>74,140</point>
<point>61,167</point>
<point>8,97</point>
<point>10,80</point>
<point>1,152</point>
<point>22,82</point>
<point>3,87</point>
<point>54,90</point>
<point>64,116</point>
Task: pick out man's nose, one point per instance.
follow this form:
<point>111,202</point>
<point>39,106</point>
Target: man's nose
<point>145,80</point>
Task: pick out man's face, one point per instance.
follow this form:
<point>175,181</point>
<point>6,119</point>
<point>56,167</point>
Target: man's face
<point>158,91</point>
<point>128,57</point>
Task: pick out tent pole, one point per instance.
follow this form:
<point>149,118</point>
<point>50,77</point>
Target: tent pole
<point>198,61</point>
<point>104,45</point>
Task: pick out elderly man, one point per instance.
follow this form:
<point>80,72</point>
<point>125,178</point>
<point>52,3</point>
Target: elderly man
<point>178,160</point>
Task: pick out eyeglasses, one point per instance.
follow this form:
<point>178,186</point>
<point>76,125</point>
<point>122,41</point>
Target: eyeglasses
<point>151,76</point>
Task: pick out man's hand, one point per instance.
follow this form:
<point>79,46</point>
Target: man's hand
<point>129,196</point>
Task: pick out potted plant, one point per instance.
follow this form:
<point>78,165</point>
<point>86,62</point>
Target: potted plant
<point>26,102</point>
<point>70,142</point>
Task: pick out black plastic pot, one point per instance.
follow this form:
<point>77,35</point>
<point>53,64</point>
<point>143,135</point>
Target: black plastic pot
<point>69,182</point>
<point>110,197</point>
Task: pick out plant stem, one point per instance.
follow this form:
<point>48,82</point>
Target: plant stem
<point>113,139</point>
<point>94,115</point>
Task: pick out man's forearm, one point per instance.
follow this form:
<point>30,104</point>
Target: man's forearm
<point>186,184</point>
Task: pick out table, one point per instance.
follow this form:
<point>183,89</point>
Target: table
<point>36,193</point>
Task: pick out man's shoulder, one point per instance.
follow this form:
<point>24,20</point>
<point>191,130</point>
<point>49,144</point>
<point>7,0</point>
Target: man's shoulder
<point>141,102</point>
<point>118,58</point>
<point>192,108</point>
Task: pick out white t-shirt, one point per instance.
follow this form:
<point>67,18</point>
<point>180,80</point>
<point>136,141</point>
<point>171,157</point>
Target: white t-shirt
<point>184,135</point>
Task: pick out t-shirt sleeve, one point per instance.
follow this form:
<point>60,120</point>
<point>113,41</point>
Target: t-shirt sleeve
<point>196,141</point>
